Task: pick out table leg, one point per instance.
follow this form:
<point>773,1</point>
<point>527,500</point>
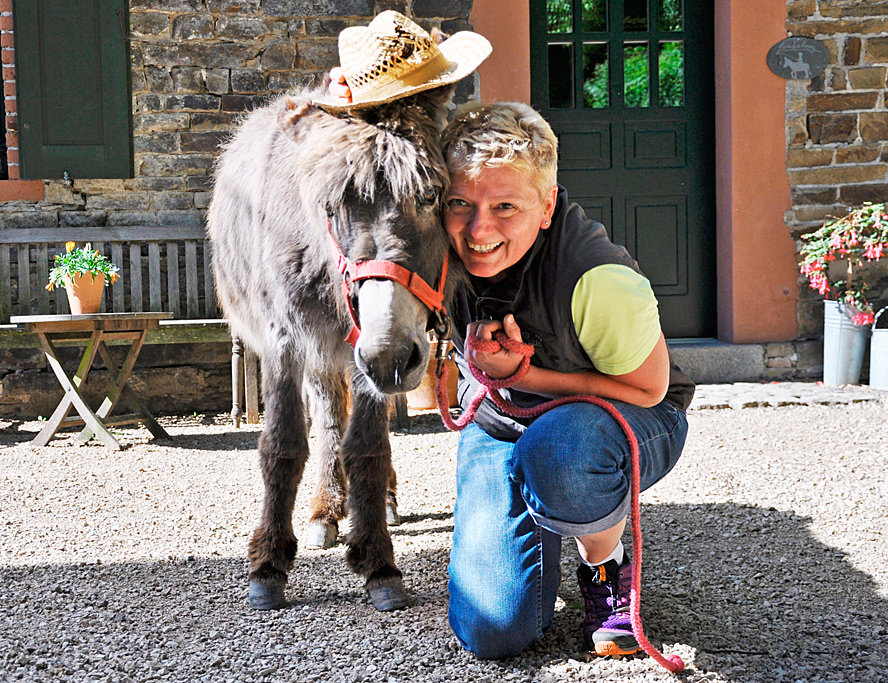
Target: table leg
<point>72,394</point>
<point>120,388</point>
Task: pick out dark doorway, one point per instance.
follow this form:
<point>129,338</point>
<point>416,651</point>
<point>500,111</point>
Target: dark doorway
<point>628,87</point>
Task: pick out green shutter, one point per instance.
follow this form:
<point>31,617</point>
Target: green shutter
<point>72,71</point>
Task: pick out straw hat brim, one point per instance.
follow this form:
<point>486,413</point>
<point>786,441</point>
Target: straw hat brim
<point>464,50</point>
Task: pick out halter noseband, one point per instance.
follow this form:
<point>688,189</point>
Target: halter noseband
<point>386,270</point>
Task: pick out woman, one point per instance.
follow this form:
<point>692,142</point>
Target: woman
<point>545,274</point>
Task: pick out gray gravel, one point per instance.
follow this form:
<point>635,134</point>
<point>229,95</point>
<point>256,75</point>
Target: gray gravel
<point>766,558</point>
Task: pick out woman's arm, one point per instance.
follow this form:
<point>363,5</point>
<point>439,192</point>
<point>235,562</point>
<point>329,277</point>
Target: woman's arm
<point>645,386</point>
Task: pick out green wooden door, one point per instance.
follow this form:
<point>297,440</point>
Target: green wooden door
<point>628,87</point>
<point>72,73</point>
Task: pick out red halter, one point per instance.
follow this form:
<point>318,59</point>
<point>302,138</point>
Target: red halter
<point>352,272</point>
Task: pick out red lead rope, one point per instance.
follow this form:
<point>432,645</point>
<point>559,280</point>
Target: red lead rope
<point>489,387</point>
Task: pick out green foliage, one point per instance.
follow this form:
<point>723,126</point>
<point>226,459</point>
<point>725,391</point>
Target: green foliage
<point>671,74</point>
<point>670,15</point>
<point>82,261</point>
<point>559,16</point>
<point>636,72</point>
<point>595,89</point>
<point>636,80</point>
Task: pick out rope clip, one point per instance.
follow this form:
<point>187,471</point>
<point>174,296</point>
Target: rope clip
<point>443,331</point>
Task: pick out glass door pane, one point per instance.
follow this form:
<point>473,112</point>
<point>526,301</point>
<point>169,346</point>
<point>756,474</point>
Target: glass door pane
<point>561,77</point>
<point>635,16</point>
<point>559,16</point>
<point>594,16</point>
<point>670,15</point>
<point>596,89</point>
<point>636,75</point>
<point>671,73</point>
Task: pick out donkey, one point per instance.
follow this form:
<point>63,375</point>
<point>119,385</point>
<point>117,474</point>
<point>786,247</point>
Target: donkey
<point>302,195</point>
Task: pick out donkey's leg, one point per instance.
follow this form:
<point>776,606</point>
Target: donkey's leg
<point>367,456</point>
<point>392,518</point>
<point>329,414</point>
<point>283,450</point>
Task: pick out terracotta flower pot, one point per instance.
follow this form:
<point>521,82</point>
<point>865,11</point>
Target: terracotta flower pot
<point>85,293</point>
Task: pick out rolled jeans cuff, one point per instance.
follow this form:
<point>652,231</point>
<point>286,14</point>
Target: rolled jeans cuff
<point>576,530</point>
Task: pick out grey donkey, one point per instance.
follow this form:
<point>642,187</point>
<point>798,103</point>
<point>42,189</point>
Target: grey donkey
<point>298,193</point>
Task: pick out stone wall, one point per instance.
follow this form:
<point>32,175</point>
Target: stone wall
<point>837,126</point>
<point>197,66</point>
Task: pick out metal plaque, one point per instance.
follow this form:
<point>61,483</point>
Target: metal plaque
<point>798,58</point>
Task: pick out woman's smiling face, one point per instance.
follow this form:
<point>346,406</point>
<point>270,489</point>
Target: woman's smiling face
<point>494,219</point>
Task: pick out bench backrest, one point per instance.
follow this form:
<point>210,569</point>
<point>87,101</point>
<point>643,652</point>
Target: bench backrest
<point>162,268</point>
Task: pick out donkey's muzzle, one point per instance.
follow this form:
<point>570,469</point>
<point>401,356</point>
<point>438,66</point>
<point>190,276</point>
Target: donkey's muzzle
<point>393,369</point>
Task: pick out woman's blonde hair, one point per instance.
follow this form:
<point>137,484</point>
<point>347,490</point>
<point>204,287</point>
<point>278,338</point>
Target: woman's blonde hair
<point>502,134</point>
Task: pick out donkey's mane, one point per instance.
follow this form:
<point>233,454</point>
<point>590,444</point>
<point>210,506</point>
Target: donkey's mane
<point>394,145</point>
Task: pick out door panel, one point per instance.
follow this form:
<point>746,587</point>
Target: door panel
<point>628,87</point>
<point>72,73</point>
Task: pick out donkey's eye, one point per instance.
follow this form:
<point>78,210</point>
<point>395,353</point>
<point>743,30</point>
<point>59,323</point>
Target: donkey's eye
<point>427,198</point>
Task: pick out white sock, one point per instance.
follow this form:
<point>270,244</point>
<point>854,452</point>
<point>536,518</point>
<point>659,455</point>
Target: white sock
<point>617,555</point>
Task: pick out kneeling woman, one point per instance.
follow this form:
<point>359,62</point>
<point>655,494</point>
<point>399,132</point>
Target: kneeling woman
<point>545,274</point>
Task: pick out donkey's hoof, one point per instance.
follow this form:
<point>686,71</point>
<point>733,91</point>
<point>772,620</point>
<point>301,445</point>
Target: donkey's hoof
<point>392,518</point>
<point>267,594</point>
<point>321,535</point>
<point>388,595</point>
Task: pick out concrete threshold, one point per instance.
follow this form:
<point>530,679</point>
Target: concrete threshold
<point>709,361</point>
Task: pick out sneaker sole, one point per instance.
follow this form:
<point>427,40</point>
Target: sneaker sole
<point>610,649</point>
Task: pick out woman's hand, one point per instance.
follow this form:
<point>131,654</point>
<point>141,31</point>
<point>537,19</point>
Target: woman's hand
<point>338,87</point>
<point>502,363</point>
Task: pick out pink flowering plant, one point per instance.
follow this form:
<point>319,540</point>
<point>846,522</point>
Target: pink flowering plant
<point>855,239</point>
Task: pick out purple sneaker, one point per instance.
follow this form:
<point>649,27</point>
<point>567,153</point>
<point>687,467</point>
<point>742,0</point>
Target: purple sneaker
<point>607,629</point>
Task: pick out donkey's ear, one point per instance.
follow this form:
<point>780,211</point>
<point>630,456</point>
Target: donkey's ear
<point>436,101</point>
<point>438,35</point>
<point>291,112</point>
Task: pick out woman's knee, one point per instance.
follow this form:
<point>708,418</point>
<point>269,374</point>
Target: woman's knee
<point>575,436</point>
<point>490,640</point>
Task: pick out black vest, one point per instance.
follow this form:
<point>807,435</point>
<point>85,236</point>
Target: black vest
<point>538,291</point>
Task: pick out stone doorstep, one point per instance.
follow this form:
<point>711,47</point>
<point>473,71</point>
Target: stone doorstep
<point>709,361</point>
<point>755,375</point>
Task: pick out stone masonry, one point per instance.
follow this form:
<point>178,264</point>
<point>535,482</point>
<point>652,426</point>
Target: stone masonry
<point>837,127</point>
<point>197,66</point>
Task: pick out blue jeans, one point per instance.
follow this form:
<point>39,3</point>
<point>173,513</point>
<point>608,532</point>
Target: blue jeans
<point>568,475</point>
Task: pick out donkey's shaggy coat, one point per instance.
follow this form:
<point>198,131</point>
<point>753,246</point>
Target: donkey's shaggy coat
<point>293,177</point>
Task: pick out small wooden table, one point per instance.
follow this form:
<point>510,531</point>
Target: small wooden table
<point>92,331</point>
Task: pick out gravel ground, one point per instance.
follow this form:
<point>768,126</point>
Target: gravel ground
<point>765,560</point>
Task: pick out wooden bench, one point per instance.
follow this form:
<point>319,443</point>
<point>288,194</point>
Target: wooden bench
<point>162,268</point>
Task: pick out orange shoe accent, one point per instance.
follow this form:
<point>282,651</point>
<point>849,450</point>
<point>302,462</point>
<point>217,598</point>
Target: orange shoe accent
<point>611,649</point>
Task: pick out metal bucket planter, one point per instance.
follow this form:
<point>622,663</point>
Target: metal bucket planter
<point>844,344</point>
<point>879,355</point>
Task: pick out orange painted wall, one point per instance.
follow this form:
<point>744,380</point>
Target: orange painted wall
<point>505,75</point>
<point>757,273</point>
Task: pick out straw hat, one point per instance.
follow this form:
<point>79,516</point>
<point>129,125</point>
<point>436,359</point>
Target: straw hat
<point>393,57</point>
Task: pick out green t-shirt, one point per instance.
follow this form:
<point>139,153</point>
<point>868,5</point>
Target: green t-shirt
<point>615,315</point>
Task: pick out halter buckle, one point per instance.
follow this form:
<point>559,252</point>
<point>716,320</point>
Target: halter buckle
<point>443,331</point>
